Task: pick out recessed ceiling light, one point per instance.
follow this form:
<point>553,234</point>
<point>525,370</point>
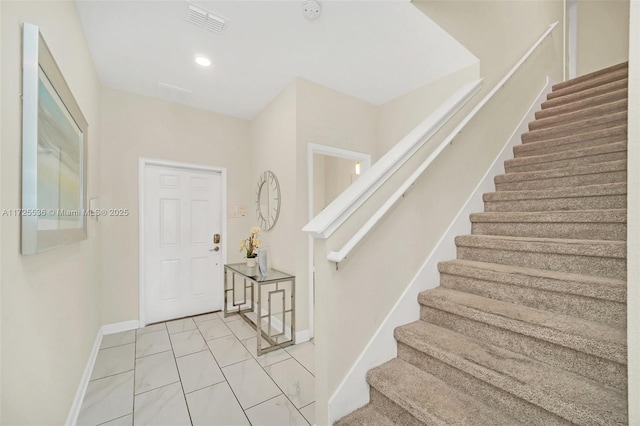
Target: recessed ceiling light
<point>201,60</point>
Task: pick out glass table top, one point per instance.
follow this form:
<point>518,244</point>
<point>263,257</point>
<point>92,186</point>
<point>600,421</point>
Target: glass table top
<point>254,274</point>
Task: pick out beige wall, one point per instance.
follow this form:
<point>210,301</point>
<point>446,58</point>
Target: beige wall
<point>401,115</point>
<point>633,217</point>
<point>134,126</point>
<point>390,256</point>
<point>603,34</point>
<point>326,117</point>
<point>273,139</point>
<point>50,307</point>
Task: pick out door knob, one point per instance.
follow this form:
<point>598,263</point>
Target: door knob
<point>215,249</point>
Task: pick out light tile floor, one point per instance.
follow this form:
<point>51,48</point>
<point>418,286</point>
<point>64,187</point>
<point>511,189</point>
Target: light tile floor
<point>202,370</point>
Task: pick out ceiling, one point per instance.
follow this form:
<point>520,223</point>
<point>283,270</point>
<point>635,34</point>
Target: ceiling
<point>372,50</point>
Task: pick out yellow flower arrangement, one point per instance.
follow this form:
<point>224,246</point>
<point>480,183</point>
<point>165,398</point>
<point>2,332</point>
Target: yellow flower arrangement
<point>251,244</point>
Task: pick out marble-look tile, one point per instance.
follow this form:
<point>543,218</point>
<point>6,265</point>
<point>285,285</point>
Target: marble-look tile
<point>178,326</point>
<point>305,354</point>
<point>198,370</point>
<point>206,317</point>
<point>241,329</point>
<point>152,343</point>
<point>268,358</point>
<point>151,328</point>
<point>117,339</point>
<point>213,329</point>
<point>229,318</point>
<point>228,350</point>
<point>107,399</point>
<point>250,383</point>
<point>309,413</point>
<point>162,406</point>
<point>154,371</point>
<point>110,361</point>
<point>120,421</point>
<point>215,406</point>
<point>294,380</point>
<point>187,342</point>
<point>276,412</point>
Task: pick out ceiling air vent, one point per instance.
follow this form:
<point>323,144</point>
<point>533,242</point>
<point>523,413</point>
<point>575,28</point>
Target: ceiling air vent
<point>205,19</point>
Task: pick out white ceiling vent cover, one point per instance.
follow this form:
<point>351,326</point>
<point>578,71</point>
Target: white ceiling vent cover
<point>206,19</point>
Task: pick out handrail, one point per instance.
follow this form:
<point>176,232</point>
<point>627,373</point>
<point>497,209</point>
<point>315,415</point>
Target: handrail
<point>345,204</point>
<point>339,256</point>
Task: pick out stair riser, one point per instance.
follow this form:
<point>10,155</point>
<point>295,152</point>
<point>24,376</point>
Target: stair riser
<point>624,67</point>
<point>589,308</point>
<point>492,396</point>
<point>586,94</point>
<point>589,84</point>
<point>510,167</point>
<point>602,370</point>
<point>583,104</point>
<point>573,117</point>
<point>581,231</point>
<point>565,181</point>
<point>392,410</point>
<point>554,147</point>
<point>558,204</point>
<point>598,266</point>
<point>576,128</point>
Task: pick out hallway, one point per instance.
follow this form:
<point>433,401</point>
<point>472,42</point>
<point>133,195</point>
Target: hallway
<point>198,371</point>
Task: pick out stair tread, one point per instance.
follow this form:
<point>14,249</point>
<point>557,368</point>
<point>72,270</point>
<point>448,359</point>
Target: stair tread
<point>561,118</point>
<point>368,415</point>
<point>429,399</point>
<point>619,133</point>
<point>540,194</point>
<point>589,83</point>
<point>609,166</point>
<point>568,155</point>
<point>563,393</point>
<point>599,99</point>
<point>608,248</point>
<point>571,98</point>
<point>576,333</point>
<point>578,284</point>
<point>583,216</point>
<point>591,75</point>
<point>577,127</point>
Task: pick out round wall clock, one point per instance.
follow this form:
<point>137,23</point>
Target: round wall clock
<point>268,200</point>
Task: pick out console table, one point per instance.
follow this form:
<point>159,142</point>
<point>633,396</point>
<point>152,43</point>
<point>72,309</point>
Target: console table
<point>245,292</point>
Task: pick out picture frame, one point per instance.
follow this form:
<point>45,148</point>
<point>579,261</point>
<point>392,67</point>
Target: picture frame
<point>54,153</point>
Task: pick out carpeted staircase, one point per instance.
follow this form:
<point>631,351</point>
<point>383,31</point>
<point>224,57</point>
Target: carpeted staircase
<point>528,325</point>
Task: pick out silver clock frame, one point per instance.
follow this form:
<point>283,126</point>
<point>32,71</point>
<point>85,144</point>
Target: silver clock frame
<point>268,200</point>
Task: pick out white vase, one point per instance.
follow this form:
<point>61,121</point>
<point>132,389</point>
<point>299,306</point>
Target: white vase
<point>251,262</point>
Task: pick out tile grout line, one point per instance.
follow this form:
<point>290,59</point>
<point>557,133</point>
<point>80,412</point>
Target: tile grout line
<point>175,361</point>
<point>226,380</point>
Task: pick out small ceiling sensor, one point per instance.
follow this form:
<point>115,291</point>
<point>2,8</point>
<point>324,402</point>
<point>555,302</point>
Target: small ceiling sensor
<point>311,9</point>
<point>202,61</point>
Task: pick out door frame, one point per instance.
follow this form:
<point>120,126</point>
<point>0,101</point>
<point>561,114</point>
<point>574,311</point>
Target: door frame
<point>313,148</point>
<point>143,162</point>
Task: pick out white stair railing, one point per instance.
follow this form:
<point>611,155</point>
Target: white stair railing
<point>344,205</point>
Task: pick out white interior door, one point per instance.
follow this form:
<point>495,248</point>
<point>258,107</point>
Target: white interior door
<point>183,264</point>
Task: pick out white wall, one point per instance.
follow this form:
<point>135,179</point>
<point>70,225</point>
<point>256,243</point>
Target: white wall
<point>50,301</point>
<point>603,34</point>
<point>135,126</point>
<point>633,217</point>
<point>401,115</point>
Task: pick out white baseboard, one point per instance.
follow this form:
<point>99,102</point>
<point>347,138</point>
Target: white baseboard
<point>120,326</point>
<point>303,336</point>
<point>353,391</point>
<point>74,412</point>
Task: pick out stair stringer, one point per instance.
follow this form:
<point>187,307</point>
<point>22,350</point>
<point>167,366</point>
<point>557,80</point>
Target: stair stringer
<point>353,391</point>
